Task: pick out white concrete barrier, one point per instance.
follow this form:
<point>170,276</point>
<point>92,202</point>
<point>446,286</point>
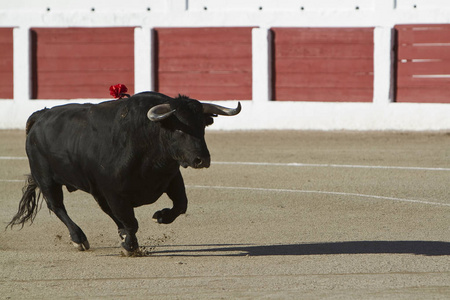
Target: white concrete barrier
<point>260,112</point>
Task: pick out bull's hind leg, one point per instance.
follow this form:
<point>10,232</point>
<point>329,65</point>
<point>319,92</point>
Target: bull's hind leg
<point>54,197</point>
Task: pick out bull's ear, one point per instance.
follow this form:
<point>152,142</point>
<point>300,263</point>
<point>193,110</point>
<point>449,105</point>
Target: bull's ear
<point>160,112</point>
<point>208,120</point>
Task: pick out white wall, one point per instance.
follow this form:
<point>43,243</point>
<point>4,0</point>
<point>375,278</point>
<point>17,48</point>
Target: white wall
<point>259,112</point>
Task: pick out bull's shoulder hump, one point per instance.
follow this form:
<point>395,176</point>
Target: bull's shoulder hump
<point>154,97</point>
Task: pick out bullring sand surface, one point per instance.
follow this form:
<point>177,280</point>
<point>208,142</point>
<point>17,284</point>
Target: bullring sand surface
<point>278,215</point>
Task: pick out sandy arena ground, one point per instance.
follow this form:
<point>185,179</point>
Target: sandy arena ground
<point>359,216</point>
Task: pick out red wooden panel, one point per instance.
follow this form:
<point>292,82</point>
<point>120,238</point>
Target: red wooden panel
<point>324,35</point>
<point>428,81</point>
<point>6,35</point>
<point>81,62</point>
<point>423,34</point>
<point>205,63</point>
<point>423,95</point>
<point>323,80</point>
<point>324,50</point>
<point>206,51</point>
<point>210,35</point>
<point>423,63</point>
<point>79,78</point>
<point>6,63</point>
<point>427,51</point>
<point>85,50</point>
<point>321,94</point>
<point>436,66</point>
<point>204,79</point>
<point>77,35</point>
<point>323,64</point>
<point>62,64</point>
<point>5,91</point>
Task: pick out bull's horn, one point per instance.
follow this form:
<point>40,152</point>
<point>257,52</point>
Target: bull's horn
<point>213,109</point>
<point>160,112</point>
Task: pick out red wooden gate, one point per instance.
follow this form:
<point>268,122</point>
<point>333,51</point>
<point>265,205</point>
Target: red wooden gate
<point>81,62</point>
<point>6,63</point>
<point>205,63</point>
<point>323,64</point>
<point>423,63</point>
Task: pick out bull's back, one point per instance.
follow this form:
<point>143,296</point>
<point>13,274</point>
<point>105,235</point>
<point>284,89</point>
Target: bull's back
<point>54,128</point>
<point>33,118</point>
<point>69,122</point>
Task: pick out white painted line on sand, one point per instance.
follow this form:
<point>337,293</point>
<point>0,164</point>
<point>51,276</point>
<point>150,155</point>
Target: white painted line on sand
<point>12,180</point>
<point>315,192</point>
<point>326,165</point>
<point>13,158</point>
<point>293,191</point>
<point>268,164</point>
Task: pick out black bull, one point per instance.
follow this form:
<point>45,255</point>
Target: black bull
<point>125,153</point>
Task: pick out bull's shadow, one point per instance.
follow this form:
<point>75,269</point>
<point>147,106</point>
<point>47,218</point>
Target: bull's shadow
<point>428,248</point>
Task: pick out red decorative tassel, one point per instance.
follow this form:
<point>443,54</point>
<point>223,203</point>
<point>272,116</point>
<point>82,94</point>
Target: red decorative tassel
<point>118,91</point>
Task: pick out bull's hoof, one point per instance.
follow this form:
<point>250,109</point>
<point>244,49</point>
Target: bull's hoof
<point>165,216</point>
<point>130,251</point>
<point>82,246</point>
<point>128,242</point>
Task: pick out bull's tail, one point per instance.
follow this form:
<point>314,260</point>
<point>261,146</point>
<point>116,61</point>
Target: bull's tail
<point>28,205</point>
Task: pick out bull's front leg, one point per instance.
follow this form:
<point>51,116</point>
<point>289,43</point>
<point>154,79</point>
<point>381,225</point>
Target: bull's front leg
<point>177,193</point>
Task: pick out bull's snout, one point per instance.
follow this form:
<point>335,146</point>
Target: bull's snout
<point>202,162</point>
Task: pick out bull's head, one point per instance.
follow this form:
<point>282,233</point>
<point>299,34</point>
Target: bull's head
<point>185,119</point>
